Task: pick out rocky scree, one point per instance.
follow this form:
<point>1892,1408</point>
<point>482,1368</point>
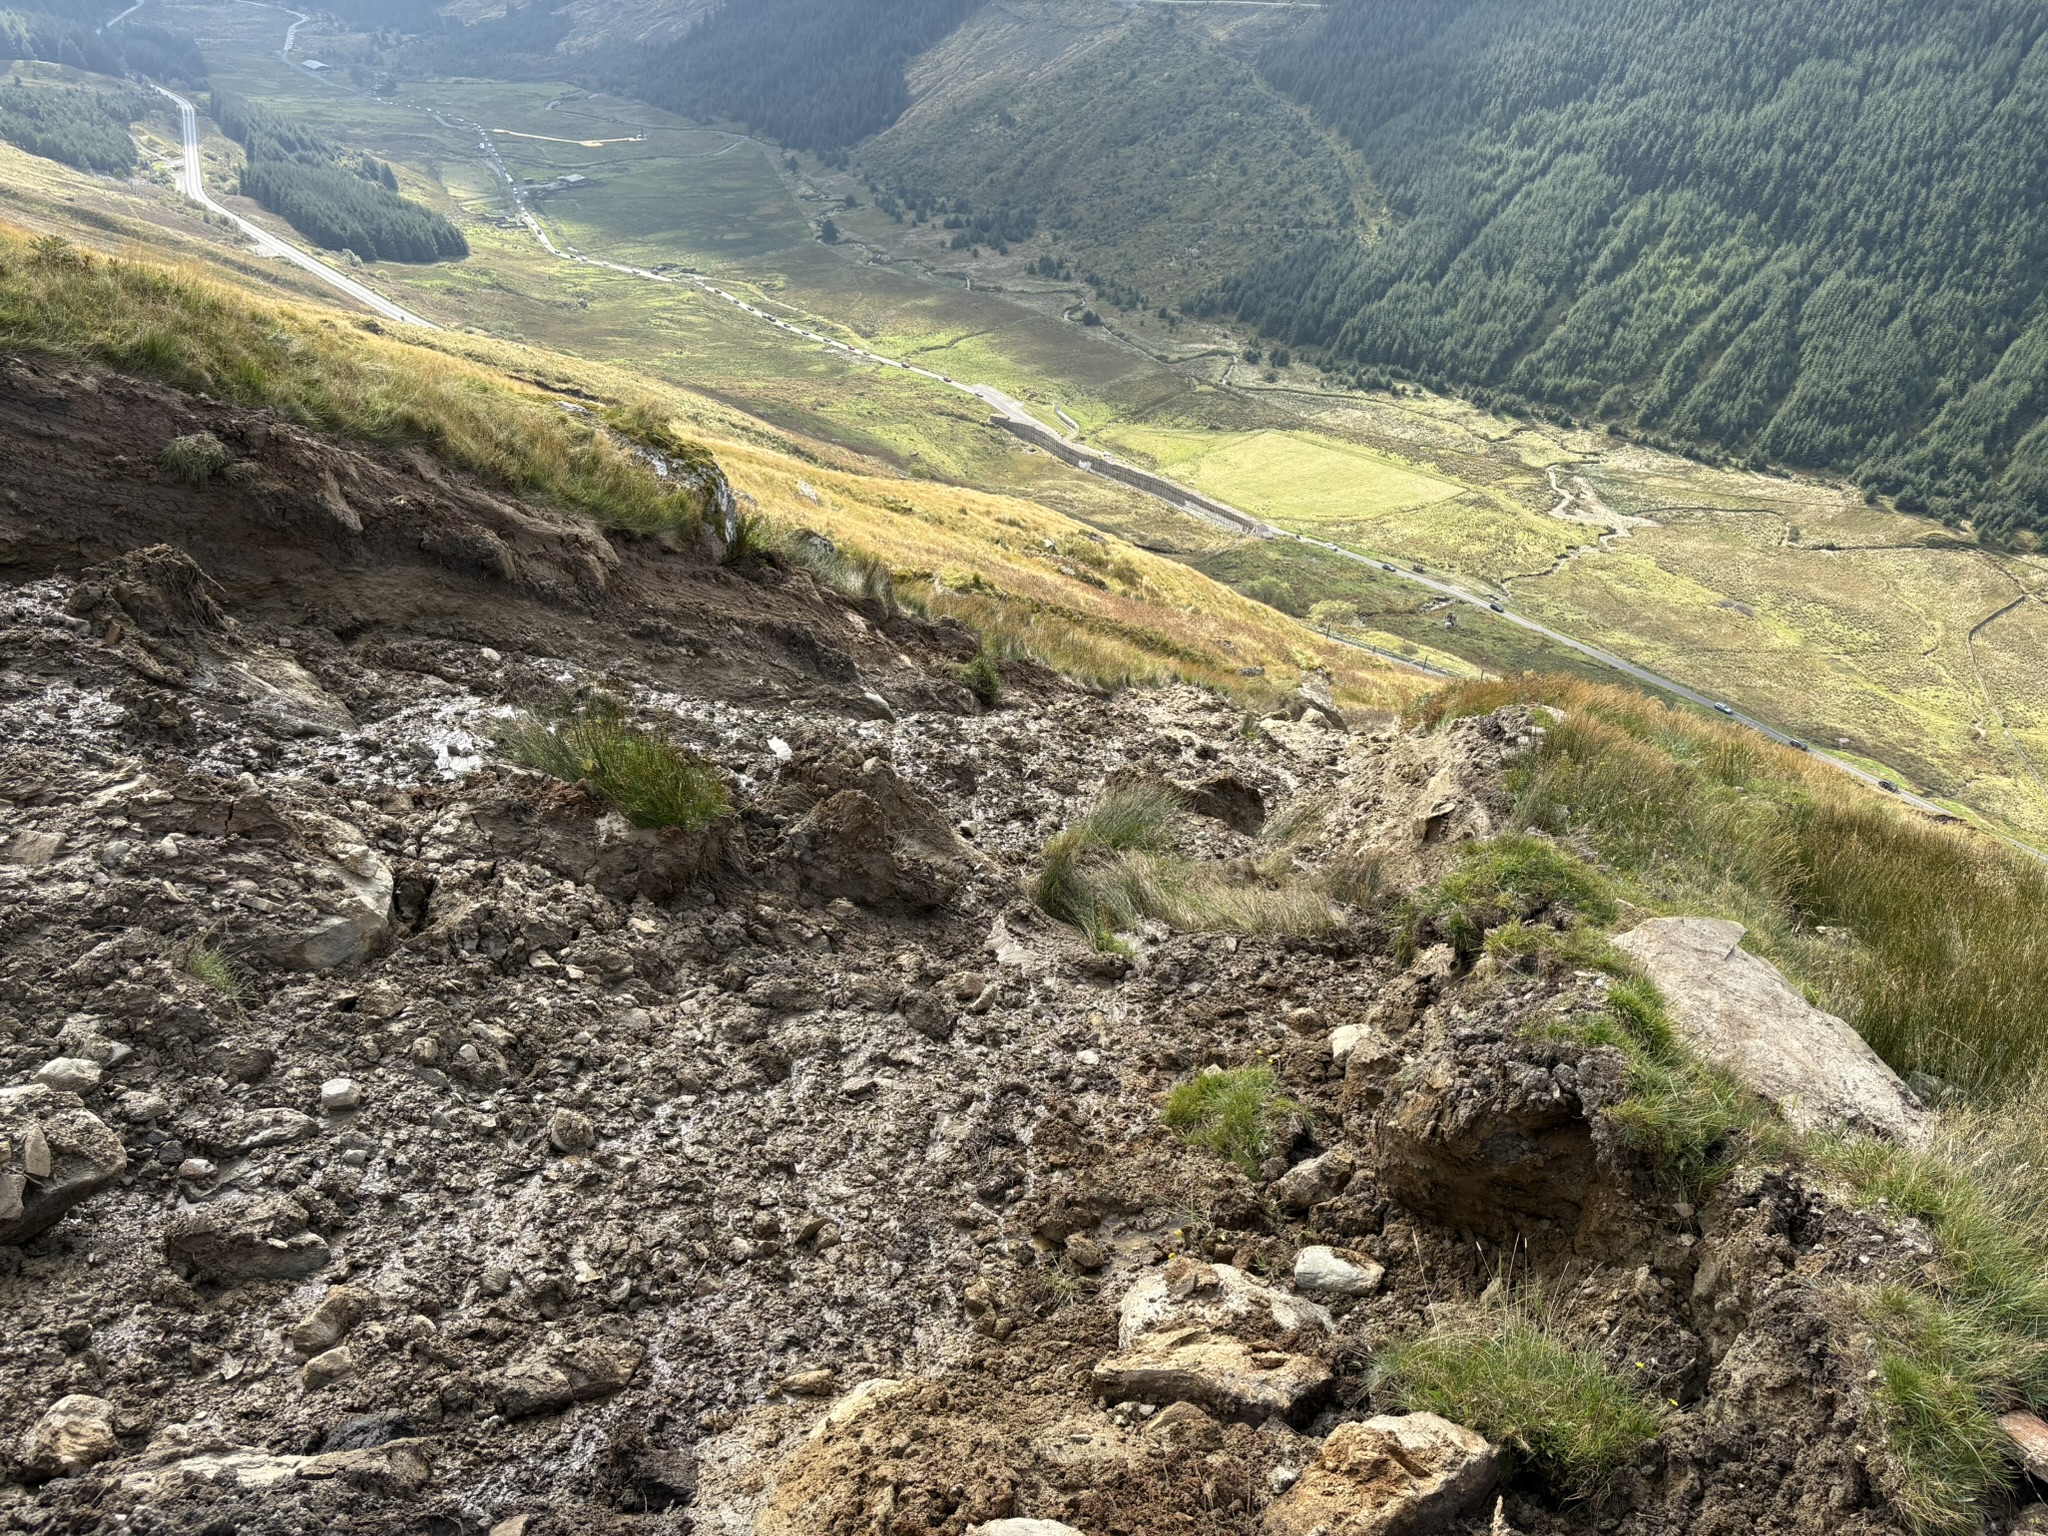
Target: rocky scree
<point>395,1140</point>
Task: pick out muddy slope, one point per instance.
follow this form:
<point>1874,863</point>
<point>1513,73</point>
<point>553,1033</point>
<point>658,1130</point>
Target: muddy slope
<point>784,1178</point>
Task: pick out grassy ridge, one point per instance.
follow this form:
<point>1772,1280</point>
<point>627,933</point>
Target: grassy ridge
<point>186,330</point>
<point>1035,582</point>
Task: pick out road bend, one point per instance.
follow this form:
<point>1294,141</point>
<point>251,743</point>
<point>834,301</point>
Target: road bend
<point>192,183</point>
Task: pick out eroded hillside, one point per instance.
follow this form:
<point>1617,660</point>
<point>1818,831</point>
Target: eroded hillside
<point>399,1139</point>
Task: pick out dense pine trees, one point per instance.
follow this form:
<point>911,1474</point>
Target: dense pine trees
<point>78,126</point>
<point>1815,233</point>
<point>341,203</point>
<point>812,74</point>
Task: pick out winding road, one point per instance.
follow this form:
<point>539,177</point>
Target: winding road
<point>192,183</point>
<point>1010,412</point>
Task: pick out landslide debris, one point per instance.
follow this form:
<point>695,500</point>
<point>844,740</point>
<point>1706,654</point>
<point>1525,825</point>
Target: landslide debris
<point>396,1139</point>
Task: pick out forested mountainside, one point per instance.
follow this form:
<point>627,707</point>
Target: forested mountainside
<point>67,32</point>
<point>337,200</point>
<point>1155,161</point>
<point>1814,232</point>
<point>812,76</point>
<point>80,127</point>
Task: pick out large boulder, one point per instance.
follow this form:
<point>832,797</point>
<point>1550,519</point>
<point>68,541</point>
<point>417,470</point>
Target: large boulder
<point>242,1238</point>
<point>1738,1011</point>
<point>74,1433</point>
<point>1211,1335</point>
<point>53,1153</point>
<point>1389,1476</point>
<point>552,1380</point>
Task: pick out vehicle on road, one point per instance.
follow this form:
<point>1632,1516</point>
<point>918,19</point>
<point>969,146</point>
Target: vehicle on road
<point>1724,709</point>
<point>1496,607</point>
<point>1888,786</point>
<point>1384,566</point>
<point>1796,744</point>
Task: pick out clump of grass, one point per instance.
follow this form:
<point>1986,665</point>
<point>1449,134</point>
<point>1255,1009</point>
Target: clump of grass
<point>982,679</point>
<point>1506,880</point>
<point>643,776</point>
<point>195,459</point>
<point>1947,969</point>
<point>1689,1116</point>
<point>1508,1376</point>
<point>1113,867</point>
<point>853,572</point>
<point>1239,1114</point>
<point>206,963</point>
<point>1951,1357</point>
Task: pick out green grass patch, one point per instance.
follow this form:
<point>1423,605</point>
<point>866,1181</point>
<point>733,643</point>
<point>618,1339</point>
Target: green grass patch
<point>1114,867</point>
<point>208,964</point>
<point>194,459</point>
<point>1510,879</point>
<point>1508,1376</point>
<point>1239,1114</point>
<point>1929,939</point>
<point>643,776</point>
<point>199,336</point>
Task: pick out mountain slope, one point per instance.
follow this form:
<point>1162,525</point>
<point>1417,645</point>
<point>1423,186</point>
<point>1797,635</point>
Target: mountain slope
<point>1815,233</point>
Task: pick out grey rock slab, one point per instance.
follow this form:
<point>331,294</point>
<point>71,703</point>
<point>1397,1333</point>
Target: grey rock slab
<point>70,1074</point>
<point>240,1237</point>
<point>1336,1272</point>
<point>1739,1011</point>
<point>54,1153</point>
<point>1406,1475</point>
<point>554,1379</point>
<point>1203,1334</point>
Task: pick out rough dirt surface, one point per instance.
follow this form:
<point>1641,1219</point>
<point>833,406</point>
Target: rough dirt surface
<point>783,1177</point>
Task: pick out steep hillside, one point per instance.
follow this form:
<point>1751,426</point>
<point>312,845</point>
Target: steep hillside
<point>1812,233</point>
<point>1147,155</point>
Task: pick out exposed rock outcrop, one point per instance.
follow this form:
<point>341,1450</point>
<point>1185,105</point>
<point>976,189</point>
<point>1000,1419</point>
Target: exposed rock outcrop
<point>1737,1009</point>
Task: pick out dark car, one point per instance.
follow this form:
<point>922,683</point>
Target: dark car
<point>1796,744</point>
<point>1888,786</point>
<point>1496,607</point>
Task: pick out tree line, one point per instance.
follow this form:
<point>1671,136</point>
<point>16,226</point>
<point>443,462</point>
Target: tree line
<point>66,32</point>
<point>79,126</point>
<point>1813,234</point>
<point>338,201</point>
<point>810,74</point>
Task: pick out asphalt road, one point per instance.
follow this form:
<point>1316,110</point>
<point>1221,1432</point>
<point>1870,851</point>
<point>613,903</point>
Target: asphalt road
<point>192,183</point>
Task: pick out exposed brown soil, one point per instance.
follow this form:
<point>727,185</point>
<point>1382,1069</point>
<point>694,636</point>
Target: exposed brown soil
<point>661,1143</point>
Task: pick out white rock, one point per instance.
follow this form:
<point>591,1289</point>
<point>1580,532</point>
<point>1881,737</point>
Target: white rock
<point>1015,1527</point>
<point>340,1093</point>
<point>1344,1040</point>
<point>1202,1333</point>
<point>1388,1476</point>
<point>196,1168</point>
<point>1738,1011</point>
<point>1333,1272</point>
<point>70,1074</point>
<point>74,1433</point>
